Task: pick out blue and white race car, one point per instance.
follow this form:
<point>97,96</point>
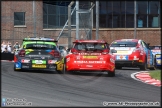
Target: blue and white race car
<point>156,51</point>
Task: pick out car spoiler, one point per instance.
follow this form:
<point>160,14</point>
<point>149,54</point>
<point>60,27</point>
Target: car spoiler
<point>41,39</point>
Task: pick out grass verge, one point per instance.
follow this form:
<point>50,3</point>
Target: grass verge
<point>156,74</point>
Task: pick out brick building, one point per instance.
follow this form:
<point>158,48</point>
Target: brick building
<point>21,19</point>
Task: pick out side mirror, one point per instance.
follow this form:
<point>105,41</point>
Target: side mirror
<point>148,44</point>
<point>113,51</point>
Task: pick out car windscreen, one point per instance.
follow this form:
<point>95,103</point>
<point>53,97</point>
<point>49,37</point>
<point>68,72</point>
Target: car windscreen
<point>39,46</point>
<point>90,46</point>
<point>124,44</point>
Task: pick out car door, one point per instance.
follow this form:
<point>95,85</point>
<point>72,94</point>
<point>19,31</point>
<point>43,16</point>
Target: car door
<point>148,53</point>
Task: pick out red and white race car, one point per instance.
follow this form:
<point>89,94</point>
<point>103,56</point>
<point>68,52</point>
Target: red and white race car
<point>133,53</point>
<point>91,55</point>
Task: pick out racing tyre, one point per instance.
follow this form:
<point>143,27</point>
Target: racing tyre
<point>111,74</point>
<point>154,66</point>
<point>16,69</point>
<point>63,70</point>
<point>64,67</point>
<point>143,66</point>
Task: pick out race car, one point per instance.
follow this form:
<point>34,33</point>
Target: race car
<point>156,50</point>
<point>90,56</point>
<point>133,53</point>
<point>38,54</point>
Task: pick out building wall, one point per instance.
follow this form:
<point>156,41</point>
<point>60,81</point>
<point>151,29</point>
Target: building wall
<point>149,35</point>
<point>13,33</point>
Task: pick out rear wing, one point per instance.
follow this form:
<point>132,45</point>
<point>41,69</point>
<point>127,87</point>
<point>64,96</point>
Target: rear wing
<point>89,41</point>
<point>41,39</point>
<point>158,47</point>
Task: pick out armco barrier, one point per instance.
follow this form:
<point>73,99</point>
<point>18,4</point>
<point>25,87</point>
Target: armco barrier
<point>7,56</point>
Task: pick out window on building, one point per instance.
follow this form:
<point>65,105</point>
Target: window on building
<point>142,11</point>
<point>55,13</point>
<point>109,14</point>
<point>129,14</point>
<point>153,16</point>
<point>123,14</point>
<point>103,14</point>
<point>120,14</point>
<point>148,14</point>
<point>19,18</point>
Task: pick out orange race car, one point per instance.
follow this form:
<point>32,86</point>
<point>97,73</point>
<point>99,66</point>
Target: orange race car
<point>91,55</point>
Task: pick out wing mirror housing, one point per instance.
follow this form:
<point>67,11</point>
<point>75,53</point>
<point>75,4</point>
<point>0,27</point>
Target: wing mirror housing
<point>148,44</point>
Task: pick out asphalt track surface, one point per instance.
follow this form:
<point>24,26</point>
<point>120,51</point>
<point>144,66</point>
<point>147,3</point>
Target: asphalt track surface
<point>75,89</point>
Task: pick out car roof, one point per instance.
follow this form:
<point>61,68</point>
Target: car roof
<point>130,40</point>
<point>89,41</point>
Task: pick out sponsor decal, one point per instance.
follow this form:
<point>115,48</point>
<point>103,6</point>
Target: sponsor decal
<point>135,58</point>
<point>122,57</point>
<point>27,51</point>
<point>89,65</point>
<point>52,61</point>
<point>68,59</point>
<point>17,65</point>
<point>38,66</point>
<point>112,60</point>
<point>94,62</point>
<point>25,66</point>
<point>101,58</point>
<point>25,61</point>
<point>89,57</point>
<point>38,61</point>
<point>43,57</point>
<point>89,53</point>
<point>78,57</point>
<point>122,52</point>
